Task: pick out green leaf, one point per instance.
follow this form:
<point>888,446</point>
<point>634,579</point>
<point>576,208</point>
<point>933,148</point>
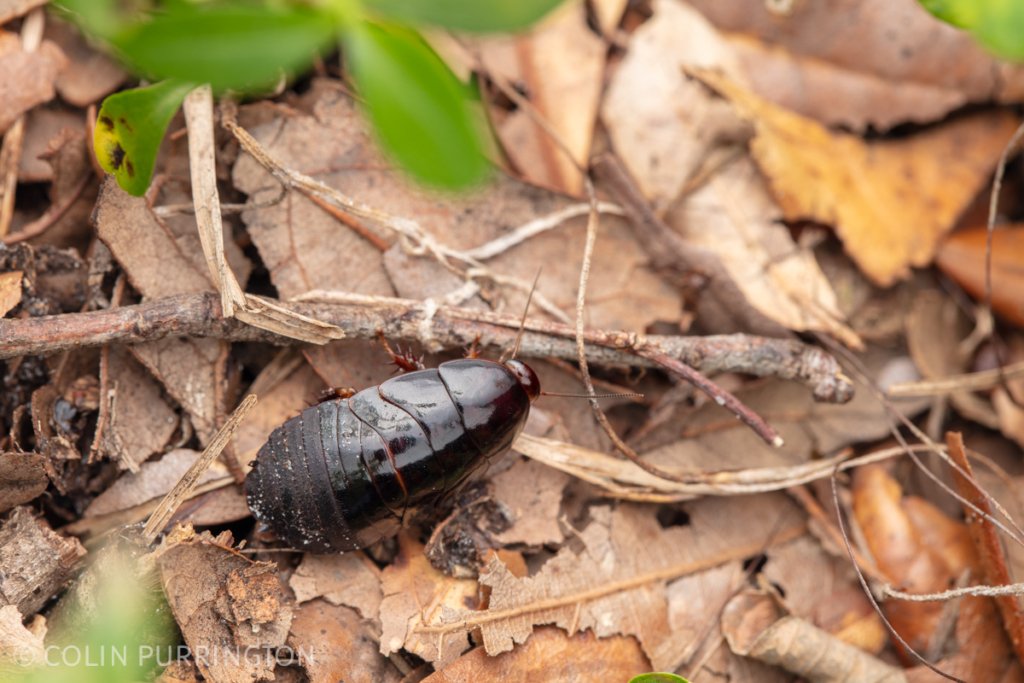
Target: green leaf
<point>421,112</point>
<point>98,18</point>
<point>238,47</point>
<point>658,678</point>
<point>129,129</point>
<point>997,24</point>
<point>466,15</point>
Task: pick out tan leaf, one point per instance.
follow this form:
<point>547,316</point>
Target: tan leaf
<point>140,422</point>
<point>334,644</point>
<point>10,291</point>
<point>844,64</point>
<point>349,579</point>
<point>533,494</point>
<point>28,76</point>
<point>962,257</point>
<point>890,202</point>
<point>560,63</point>
<point>550,656</point>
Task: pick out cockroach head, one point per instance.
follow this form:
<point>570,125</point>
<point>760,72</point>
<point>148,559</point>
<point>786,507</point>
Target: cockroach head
<point>526,377</point>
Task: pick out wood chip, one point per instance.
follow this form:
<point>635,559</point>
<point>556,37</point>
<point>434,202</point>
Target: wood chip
<point>35,562</point>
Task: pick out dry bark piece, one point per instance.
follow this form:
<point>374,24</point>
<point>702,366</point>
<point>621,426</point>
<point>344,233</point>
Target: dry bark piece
<point>10,291</point>
<point>890,201</point>
<point>20,646</point>
<point>559,63</point>
<point>227,606</point>
<point>35,563</point>
<point>845,65</point>
<point>140,422</point>
<point>348,579</point>
<point>616,584</point>
<point>962,257</point>
<point>415,593</point>
<point>22,478</point>
<point>28,76</point>
<point>753,627</point>
<point>552,656</point>
<point>334,644</point>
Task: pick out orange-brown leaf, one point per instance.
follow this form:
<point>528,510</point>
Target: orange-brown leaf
<point>962,257</point>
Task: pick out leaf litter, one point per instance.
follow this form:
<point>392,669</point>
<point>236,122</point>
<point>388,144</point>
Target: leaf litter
<point>815,181</point>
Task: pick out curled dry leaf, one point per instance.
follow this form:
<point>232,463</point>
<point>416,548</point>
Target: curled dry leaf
<point>333,644</point>
<point>902,551</point>
<point>753,627</point>
<point>962,257</point>
<point>28,76</point>
<point>22,478</point>
<point>414,594</point>
<point>550,656</point>
<point>890,201</point>
<point>349,579</point>
<point>616,584</point>
<point>559,63</point>
<point>228,607</point>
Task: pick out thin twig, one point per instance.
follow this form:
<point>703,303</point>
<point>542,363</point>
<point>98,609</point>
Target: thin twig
<point>158,520</point>
<point>432,325</point>
<point>971,381</point>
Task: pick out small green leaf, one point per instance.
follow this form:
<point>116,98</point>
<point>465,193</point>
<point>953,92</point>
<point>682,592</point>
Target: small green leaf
<point>997,24</point>
<point>239,47</point>
<point>420,110</point>
<point>129,129</point>
<point>960,13</point>
<point>98,18</point>
<point>658,678</point>
<point>467,15</point>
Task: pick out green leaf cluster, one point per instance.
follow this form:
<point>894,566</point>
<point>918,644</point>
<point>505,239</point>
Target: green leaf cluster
<point>658,677</point>
<point>997,24</point>
<point>422,114</point>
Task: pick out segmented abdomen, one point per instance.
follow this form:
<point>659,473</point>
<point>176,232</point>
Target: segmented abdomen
<point>346,473</point>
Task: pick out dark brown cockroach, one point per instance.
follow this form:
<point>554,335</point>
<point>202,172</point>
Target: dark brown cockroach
<point>349,472</point>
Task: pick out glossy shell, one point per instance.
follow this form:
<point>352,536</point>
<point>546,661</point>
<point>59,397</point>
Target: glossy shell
<point>347,473</point>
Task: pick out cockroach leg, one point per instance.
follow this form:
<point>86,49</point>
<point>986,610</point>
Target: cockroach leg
<point>474,348</point>
<point>332,393</point>
<point>404,360</point>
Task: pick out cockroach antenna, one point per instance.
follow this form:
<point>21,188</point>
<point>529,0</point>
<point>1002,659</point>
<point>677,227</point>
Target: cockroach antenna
<point>625,394</point>
<point>522,322</point>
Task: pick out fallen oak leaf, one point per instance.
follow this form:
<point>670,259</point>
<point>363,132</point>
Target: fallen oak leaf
<point>890,201</point>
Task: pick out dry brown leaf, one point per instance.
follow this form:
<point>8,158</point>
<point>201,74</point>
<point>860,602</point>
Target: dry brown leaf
<point>833,601</point>
<point>10,291</point>
<point>189,370</point>
<point>550,656</point>
<point>333,644</point>
<point>42,126</point>
<point>11,9</point>
<point>616,584</point>
<point>152,481</point>
<point>415,593</point>
<point>140,422</point>
<point>533,495</point>
<point>962,257</point>
<point>90,75</point>
<point>348,579</point>
<point>753,627</point>
<point>662,126</point>
<point>560,63</point>
<point>903,554</point>
<point>627,296</point>
<point>22,478</point>
<point>695,603</point>
<point>20,646</point>
<point>28,76</point>
<point>860,63</point>
<point>890,201</point>
<point>226,606</point>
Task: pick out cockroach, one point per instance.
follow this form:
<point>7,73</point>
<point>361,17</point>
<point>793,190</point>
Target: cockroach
<point>351,471</point>
<point>348,472</point>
